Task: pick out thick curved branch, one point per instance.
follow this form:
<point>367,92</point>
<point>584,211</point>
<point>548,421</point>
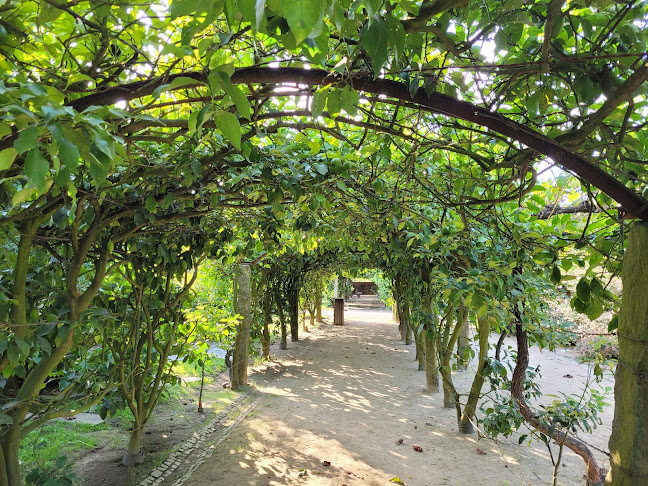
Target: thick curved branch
<point>595,474</point>
<point>429,10</point>
<point>635,205</point>
<point>621,95</point>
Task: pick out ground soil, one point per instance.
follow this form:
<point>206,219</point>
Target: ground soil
<point>335,404</point>
<point>173,422</point>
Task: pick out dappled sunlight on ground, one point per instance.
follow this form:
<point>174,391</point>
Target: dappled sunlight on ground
<point>346,395</point>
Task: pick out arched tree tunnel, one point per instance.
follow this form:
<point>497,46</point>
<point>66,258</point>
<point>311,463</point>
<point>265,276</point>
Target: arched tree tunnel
<point>141,140</point>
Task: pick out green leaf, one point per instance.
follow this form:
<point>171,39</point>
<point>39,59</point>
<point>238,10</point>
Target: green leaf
<point>193,122</point>
<point>239,99</point>
<point>349,98</point>
<point>12,353</point>
<point>253,11</point>
<point>583,290</point>
<point>555,275</point>
<point>69,155</point>
<point>303,16</point>
<point>23,346</point>
<point>559,22</point>
<point>319,101</point>
<point>151,204</point>
<point>334,102</point>
<point>579,306</point>
<point>7,156</point>
<point>181,8</point>
<point>4,129</point>
<point>22,195</point>
<point>501,41</point>
<point>374,40</point>
<point>26,140</point>
<point>60,462</point>
<point>613,324</point>
<point>5,419</point>
<point>48,13</point>
<point>229,125</point>
<point>321,169</point>
<point>62,334</point>
<point>594,310</point>
<point>533,104</point>
<point>36,168</point>
<point>397,480</point>
<point>78,77</point>
<point>99,164</point>
<point>584,89</point>
<point>396,34</point>
<point>596,287</point>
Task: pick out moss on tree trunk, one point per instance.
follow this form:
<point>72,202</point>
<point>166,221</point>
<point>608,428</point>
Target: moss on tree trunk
<point>468,414</point>
<point>431,374</point>
<point>629,441</point>
<point>242,343</point>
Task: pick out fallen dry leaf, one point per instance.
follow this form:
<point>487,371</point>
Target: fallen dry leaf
<point>399,441</point>
<point>480,452</point>
<point>326,463</point>
<point>417,448</point>
<point>427,423</point>
<point>567,376</point>
<point>397,480</point>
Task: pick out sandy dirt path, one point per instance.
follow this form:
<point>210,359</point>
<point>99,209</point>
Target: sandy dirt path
<point>346,394</point>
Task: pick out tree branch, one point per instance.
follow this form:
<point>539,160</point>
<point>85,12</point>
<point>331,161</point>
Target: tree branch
<point>429,10</point>
<point>635,205</point>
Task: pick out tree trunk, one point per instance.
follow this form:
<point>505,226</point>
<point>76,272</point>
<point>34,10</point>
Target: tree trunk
<point>420,348</point>
<point>293,303</point>
<point>12,435</point>
<point>431,374</point>
<point>446,347</point>
<point>318,317</point>
<point>404,325</point>
<point>283,344</point>
<point>242,342</point>
<point>10,444</point>
<point>628,442</point>
<point>4,478</point>
<point>462,347</point>
<point>133,454</point>
<point>395,312</point>
<point>429,332</point>
<point>135,440</point>
<point>448,395</point>
<point>267,320</point>
<point>465,423</point>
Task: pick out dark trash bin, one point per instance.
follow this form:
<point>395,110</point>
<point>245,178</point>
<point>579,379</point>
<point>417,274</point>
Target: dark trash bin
<point>338,312</point>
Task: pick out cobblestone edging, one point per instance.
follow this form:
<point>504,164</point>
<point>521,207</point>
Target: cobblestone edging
<point>208,452</point>
<point>195,443</point>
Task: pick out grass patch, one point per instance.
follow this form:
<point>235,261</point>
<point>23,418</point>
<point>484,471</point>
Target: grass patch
<point>56,438</point>
<point>43,447</point>
<point>213,366</point>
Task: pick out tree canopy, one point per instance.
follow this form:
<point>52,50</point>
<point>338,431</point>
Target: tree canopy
<point>167,132</point>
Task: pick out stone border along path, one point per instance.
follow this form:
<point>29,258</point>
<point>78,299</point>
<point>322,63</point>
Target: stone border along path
<point>200,440</point>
